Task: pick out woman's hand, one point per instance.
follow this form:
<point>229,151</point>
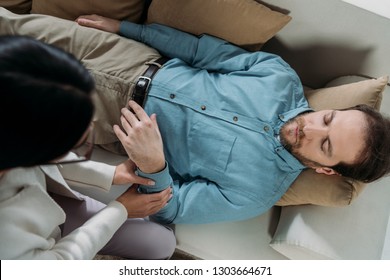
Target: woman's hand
<point>99,22</point>
<point>125,174</point>
<point>141,139</point>
<point>139,205</point>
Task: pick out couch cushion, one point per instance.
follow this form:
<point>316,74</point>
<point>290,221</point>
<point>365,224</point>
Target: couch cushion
<point>245,22</point>
<point>319,189</point>
<point>130,10</point>
<point>17,6</point>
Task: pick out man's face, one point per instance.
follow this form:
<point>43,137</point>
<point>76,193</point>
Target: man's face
<point>325,138</point>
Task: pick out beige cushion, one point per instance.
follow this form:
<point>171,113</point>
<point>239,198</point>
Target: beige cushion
<point>347,91</point>
<point>245,23</point>
<point>319,189</point>
<point>17,6</point>
<point>130,10</point>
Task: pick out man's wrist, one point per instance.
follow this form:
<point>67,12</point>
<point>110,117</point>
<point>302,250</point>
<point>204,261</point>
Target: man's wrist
<point>155,168</point>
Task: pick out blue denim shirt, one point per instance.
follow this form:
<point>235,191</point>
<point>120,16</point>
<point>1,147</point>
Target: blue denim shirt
<point>220,109</point>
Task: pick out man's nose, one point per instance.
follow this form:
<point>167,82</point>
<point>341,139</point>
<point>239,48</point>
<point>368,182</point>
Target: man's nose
<point>312,131</point>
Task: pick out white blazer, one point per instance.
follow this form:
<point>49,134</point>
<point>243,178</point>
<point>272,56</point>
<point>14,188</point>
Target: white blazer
<point>30,218</point>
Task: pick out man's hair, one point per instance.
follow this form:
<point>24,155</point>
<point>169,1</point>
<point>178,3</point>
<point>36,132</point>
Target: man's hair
<point>374,160</point>
<point>45,102</point>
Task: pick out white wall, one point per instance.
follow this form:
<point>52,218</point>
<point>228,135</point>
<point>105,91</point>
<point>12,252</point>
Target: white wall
<point>380,7</point>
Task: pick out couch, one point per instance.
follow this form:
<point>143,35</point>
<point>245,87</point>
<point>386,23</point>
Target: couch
<point>318,218</point>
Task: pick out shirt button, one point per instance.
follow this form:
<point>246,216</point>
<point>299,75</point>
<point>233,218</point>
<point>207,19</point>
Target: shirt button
<point>172,96</point>
<point>235,118</point>
<point>281,116</point>
<point>266,128</point>
<point>203,107</point>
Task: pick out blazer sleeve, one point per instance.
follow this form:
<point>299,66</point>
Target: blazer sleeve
<point>88,174</point>
<point>90,238</point>
<point>30,218</point>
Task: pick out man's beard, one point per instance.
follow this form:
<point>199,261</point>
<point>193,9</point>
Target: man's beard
<point>294,147</point>
<point>288,145</point>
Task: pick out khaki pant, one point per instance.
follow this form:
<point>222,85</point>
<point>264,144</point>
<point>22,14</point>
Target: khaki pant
<point>114,62</point>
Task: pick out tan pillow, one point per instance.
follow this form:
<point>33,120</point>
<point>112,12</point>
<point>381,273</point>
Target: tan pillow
<point>245,23</point>
<point>348,91</point>
<point>17,6</point>
<point>130,10</point>
<point>319,189</point>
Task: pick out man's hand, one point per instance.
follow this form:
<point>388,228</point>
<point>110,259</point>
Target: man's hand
<point>99,22</point>
<point>141,139</point>
<point>125,174</point>
<point>140,205</point>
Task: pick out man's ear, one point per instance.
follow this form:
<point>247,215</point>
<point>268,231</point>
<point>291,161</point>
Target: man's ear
<point>326,171</point>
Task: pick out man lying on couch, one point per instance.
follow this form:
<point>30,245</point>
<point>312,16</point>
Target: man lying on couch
<point>236,127</point>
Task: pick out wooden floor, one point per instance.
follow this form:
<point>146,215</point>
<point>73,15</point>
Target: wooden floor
<point>177,255</point>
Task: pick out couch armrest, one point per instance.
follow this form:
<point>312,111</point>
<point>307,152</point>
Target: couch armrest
<point>358,231</point>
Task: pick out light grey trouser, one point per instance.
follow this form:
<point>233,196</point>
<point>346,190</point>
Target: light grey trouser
<point>135,239</point>
<point>114,62</point>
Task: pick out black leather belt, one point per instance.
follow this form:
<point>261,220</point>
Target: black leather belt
<point>140,91</point>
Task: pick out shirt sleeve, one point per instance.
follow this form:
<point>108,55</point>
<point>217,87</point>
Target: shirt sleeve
<point>196,201</point>
<point>200,202</point>
<point>162,180</point>
<point>204,52</point>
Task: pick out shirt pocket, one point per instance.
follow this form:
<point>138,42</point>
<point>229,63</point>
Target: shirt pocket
<point>210,149</point>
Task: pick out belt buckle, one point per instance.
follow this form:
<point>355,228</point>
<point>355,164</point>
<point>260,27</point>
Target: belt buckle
<point>145,79</point>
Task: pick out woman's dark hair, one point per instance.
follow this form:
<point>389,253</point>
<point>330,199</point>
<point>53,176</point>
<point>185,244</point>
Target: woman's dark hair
<point>45,102</point>
<point>374,161</point>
